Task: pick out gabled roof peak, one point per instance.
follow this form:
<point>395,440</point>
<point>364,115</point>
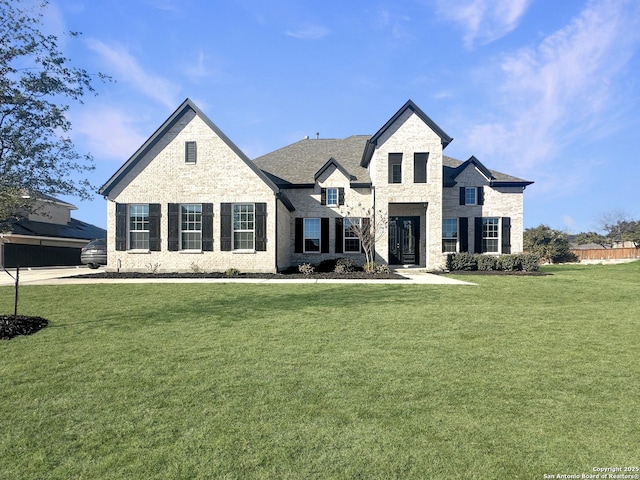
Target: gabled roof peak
<point>409,105</point>
<point>333,162</point>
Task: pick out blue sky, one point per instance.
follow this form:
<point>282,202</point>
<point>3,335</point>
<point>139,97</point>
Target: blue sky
<point>544,90</point>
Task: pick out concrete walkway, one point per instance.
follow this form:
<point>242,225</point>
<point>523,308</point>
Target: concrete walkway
<point>60,276</point>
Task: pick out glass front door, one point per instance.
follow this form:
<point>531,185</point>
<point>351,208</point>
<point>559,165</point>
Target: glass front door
<point>404,235</point>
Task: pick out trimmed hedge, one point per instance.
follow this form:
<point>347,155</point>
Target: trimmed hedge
<point>526,262</point>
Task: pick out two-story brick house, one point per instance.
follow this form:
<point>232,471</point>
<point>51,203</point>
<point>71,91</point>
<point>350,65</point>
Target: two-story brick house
<point>190,199</point>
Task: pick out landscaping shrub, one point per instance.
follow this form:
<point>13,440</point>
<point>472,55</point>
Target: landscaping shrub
<point>383,269</point>
<point>530,262</point>
<point>462,261</point>
<point>326,266</point>
<point>487,262</point>
<point>508,263</point>
<point>345,265</point>
<point>232,272</point>
<point>306,268</point>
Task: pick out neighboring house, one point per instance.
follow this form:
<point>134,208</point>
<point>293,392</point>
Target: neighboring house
<point>190,199</point>
<point>47,236</point>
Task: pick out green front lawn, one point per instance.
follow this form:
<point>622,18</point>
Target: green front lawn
<point>516,377</point>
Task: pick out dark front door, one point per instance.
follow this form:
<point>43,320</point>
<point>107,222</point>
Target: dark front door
<point>404,240</point>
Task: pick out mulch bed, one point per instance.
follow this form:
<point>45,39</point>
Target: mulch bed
<point>11,326</point>
<point>267,276</point>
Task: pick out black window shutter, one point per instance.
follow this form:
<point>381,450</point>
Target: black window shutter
<point>324,235</point>
<point>299,238</point>
<point>173,224</point>
<point>366,225</point>
<point>462,196</point>
<point>207,227</point>
<point>480,195</point>
<point>341,196</point>
<point>154,227</point>
<point>478,235</point>
<point>420,167</point>
<point>339,235</point>
<point>506,234</point>
<point>463,233</point>
<point>261,227</point>
<point>121,226</point>
<point>323,196</point>
<point>225,227</point>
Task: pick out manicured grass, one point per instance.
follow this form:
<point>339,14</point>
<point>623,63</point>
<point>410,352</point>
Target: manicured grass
<point>515,377</point>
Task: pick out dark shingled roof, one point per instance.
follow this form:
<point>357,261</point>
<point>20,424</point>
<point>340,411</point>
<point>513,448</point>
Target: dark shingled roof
<point>298,163</point>
<point>73,229</point>
<point>452,168</point>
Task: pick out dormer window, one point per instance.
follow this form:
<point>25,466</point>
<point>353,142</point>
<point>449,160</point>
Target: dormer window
<point>471,195</point>
<point>190,152</point>
<point>332,197</point>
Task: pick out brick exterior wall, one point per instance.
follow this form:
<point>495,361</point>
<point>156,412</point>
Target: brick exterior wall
<point>411,135</point>
<point>218,176</point>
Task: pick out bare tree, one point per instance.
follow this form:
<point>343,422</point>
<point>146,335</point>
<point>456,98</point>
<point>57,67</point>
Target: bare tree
<point>617,225</point>
<point>368,226</point>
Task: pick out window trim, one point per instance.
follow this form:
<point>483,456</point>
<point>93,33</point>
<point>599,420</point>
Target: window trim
<point>348,235</point>
<point>336,190</point>
<point>496,237</point>
<point>235,230</point>
<point>181,230</point>
<point>131,230</point>
<point>455,237</point>
<point>305,237</point>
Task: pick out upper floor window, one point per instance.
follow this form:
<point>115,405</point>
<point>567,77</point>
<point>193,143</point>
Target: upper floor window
<point>332,197</point>
<point>449,235</point>
<point>311,234</point>
<point>191,227</point>
<point>139,227</point>
<point>471,195</point>
<point>243,226</point>
<point>395,168</point>
<point>190,152</point>
<point>420,167</point>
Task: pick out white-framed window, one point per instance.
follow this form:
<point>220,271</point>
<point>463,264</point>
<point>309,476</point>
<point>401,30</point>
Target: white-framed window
<point>490,235</point>
<point>243,226</point>
<point>190,152</point>
<point>311,235</point>
<point>470,196</point>
<point>332,197</point>
<point>191,227</point>
<point>351,240</point>
<point>139,227</point>
<point>449,235</point>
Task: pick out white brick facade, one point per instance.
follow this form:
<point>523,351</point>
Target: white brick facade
<point>159,175</point>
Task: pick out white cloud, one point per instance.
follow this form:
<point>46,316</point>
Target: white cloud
<point>123,66</point>
<point>561,90</point>
<point>108,132</point>
<point>309,32</point>
<point>484,20</point>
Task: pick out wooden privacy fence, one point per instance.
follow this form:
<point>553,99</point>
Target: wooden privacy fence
<point>607,253</point>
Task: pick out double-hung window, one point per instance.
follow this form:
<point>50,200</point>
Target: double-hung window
<point>139,227</point>
<point>470,196</point>
<point>490,235</point>
<point>243,226</point>
<point>351,238</point>
<point>449,235</point>
<point>191,227</point>
<point>312,235</point>
<point>332,197</point>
